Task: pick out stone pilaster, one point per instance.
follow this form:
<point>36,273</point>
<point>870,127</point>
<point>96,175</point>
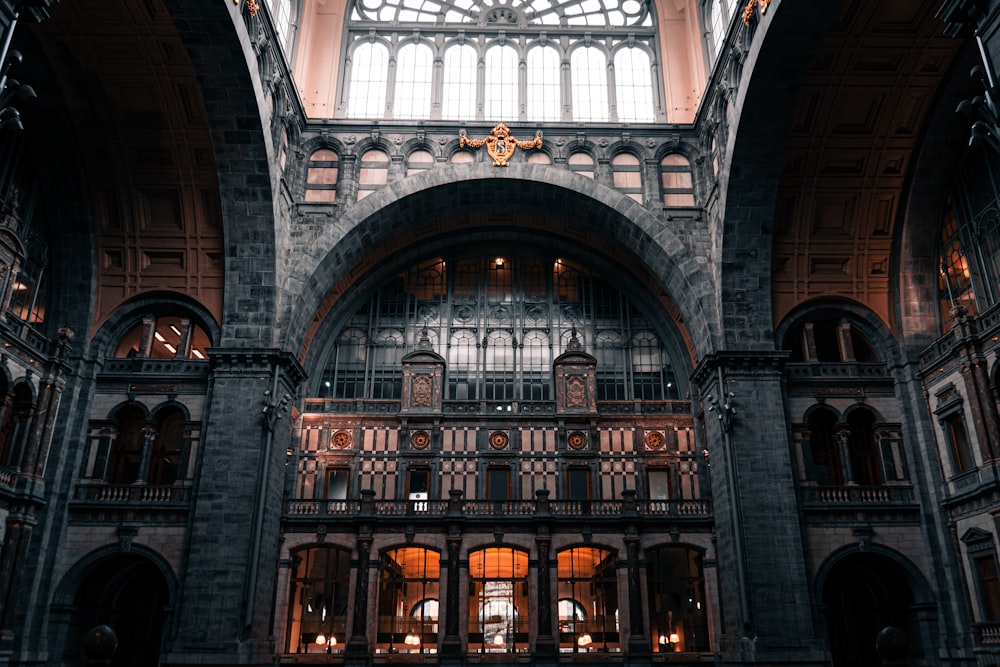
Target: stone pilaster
<point>763,581</point>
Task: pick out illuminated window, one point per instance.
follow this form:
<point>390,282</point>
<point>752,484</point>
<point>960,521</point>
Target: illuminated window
<point>588,601</point>
<point>501,83</point>
<point>498,601</point>
<point>318,600</point>
<point>459,99</point>
<point>408,603</point>
<point>164,338</point>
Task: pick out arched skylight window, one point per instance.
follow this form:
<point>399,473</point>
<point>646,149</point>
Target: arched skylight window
<point>481,47</point>
<point>459,100</point>
<point>413,81</point>
<point>633,86</point>
<point>589,70</point>
<point>369,75</point>
<point>543,83</point>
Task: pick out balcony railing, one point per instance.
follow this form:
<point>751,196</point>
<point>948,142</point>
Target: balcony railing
<point>987,634</point>
<point>858,495</point>
<point>7,477</point>
<point>493,508</point>
<point>131,493</point>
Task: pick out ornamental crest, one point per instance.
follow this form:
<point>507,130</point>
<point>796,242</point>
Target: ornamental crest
<point>500,144</point>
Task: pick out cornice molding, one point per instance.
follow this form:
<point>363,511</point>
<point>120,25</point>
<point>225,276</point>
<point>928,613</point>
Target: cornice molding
<point>744,363</point>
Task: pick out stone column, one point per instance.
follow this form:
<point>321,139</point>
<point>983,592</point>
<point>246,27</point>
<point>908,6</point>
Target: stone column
<point>754,496</point>
<point>451,647</point>
<point>225,605</point>
<point>638,643</point>
<point>148,441</point>
<point>545,644</point>
<point>842,439</point>
<point>357,645</point>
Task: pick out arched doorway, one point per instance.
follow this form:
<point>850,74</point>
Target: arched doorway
<point>128,592</point>
<point>862,594</point>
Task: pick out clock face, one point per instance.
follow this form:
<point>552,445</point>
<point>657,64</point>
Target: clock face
<point>654,440</point>
<point>341,440</point>
<point>420,440</point>
<point>577,440</point>
<point>499,440</point>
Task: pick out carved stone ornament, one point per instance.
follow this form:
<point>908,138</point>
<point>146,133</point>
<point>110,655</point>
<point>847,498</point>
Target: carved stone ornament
<point>420,440</point>
<point>252,6</point>
<point>500,144</point>
<point>654,440</point>
<point>341,440</point>
<point>422,389</point>
<point>577,440</point>
<point>499,440</point>
<point>576,392</point>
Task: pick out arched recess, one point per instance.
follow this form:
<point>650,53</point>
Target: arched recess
<point>233,93</point>
<point>863,591</point>
<point>128,587</point>
<point>784,42</point>
<point>457,202</point>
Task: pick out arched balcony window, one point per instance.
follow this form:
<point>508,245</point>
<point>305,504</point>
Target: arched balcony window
<point>165,337</point>
<point>676,183</point>
<point>126,452</point>
<point>321,176</point>
<point>626,172</point>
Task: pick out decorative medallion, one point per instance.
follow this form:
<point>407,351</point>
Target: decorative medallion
<point>536,312</point>
<point>499,440</point>
<point>341,440</point>
<point>500,314</point>
<point>420,440</point>
<point>427,314</point>
<point>577,440</point>
<point>422,389</point>
<point>464,313</point>
<point>654,440</point>
<point>500,145</point>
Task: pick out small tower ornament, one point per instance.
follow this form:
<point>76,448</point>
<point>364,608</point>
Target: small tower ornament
<point>500,144</point>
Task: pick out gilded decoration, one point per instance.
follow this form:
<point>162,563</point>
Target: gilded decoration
<point>654,440</point>
<point>420,440</point>
<point>748,11</point>
<point>500,144</point>
<point>252,6</point>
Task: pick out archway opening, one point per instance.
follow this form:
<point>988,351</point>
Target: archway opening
<point>863,594</point>
<point>129,593</point>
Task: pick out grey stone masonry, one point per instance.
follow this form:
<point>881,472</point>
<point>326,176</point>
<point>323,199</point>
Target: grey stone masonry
<point>764,584</point>
<point>229,580</point>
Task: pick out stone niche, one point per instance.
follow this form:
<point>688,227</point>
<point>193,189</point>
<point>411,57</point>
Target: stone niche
<point>423,381</point>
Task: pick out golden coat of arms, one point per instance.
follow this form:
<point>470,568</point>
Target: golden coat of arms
<point>500,144</point>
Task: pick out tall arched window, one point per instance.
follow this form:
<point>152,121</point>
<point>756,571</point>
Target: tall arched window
<point>369,75</point>
<point>318,600</point>
<point>14,431</point>
<point>862,447</point>
<point>408,604</point>
<point>413,81</point>
<point>543,84</point>
<point>501,82</point>
<point>374,172</point>
<point>678,620</point>
<point>633,86</point>
<point>588,600</point>
<point>581,163</point>
<point>168,448</point>
<point>589,72</point>
<point>626,173</point>
<point>321,176</point>
<point>498,601</point>
<point>459,98</point>
<point>824,454</point>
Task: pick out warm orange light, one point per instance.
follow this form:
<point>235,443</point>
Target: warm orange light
<point>585,640</point>
<point>321,638</point>
<point>674,638</point>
